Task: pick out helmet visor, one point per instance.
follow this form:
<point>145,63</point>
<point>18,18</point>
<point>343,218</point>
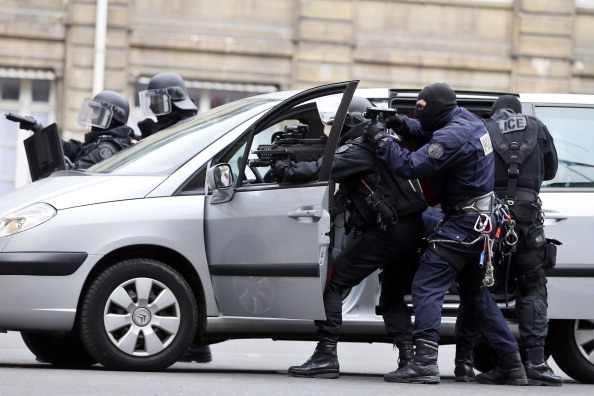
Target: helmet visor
<point>155,102</point>
<point>95,113</point>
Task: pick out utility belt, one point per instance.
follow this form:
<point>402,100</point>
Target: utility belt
<point>482,204</point>
<point>527,206</point>
<point>521,195</point>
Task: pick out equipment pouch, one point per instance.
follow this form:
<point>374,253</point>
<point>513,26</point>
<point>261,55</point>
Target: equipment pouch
<point>551,253</point>
<point>534,236</point>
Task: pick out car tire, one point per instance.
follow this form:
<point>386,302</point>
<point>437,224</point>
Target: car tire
<point>138,314</point>
<point>572,347</point>
<point>60,350</point>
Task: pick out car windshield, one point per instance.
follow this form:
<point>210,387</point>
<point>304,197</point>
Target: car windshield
<point>164,152</point>
<point>571,128</point>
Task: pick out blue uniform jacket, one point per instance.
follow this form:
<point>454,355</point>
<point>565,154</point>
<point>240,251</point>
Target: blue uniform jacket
<point>458,158</point>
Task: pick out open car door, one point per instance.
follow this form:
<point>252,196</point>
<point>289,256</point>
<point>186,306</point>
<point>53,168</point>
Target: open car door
<point>268,243</point>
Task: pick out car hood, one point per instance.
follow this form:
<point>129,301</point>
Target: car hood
<point>79,190</point>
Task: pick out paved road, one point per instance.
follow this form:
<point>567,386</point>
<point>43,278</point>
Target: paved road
<point>245,367</point>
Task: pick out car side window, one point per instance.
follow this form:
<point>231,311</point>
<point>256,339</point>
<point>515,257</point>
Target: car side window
<point>572,129</point>
<point>299,136</point>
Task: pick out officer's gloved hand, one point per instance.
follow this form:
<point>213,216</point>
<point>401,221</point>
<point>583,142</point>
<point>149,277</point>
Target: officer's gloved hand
<point>147,127</point>
<point>279,169</point>
<point>376,131</point>
<point>396,122</point>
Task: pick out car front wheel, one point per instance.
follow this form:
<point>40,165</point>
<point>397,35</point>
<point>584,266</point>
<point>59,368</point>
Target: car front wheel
<point>572,347</point>
<point>138,314</point>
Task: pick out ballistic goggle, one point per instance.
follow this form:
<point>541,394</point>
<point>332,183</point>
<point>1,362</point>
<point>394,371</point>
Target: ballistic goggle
<point>156,102</point>
<point>95,113</point>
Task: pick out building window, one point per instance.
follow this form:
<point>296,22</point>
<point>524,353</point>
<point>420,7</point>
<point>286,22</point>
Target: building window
<point>24,92</point>
<point>40,90</point>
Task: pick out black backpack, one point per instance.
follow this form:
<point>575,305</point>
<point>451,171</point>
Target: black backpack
<point>513,153</point>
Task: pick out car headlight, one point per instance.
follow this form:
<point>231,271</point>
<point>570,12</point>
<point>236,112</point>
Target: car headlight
<point>26,218</point>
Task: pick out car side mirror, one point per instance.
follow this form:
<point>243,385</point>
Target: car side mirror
<point>220,180</point>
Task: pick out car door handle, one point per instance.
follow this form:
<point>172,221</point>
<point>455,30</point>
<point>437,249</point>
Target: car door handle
<point>315,213</point>
<point>555,216</point>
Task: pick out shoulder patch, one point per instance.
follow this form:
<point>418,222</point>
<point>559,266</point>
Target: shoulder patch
<point>436,150</point>
<point>487,144</point>
<point>106,149</point>
<point>343,148</point>
<point>513,123</point>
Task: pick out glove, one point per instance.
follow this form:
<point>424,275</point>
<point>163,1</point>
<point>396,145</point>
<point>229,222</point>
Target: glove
<point>396,122</point>
<point>279,168</point>
<point>147,127</point>
<point>376,131</point>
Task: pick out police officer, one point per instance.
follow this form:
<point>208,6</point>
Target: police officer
<point>456,155</point>
<point>388,239</point>
<point>517,183</point>
<point>106,114</point>
<point>166,98</point>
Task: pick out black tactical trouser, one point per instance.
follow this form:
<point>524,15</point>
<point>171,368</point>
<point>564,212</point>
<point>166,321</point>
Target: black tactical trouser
<point>531,289</point>
<point>395,250</point>
<point>527,266</point>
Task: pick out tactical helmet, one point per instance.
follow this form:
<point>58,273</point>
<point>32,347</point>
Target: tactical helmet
<point>357,108</point>
<point>106,110</point>
<point>165,90</point>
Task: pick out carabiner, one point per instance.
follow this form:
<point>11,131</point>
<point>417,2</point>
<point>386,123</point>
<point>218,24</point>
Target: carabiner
<point>511,238</point>
<point>481,224</point>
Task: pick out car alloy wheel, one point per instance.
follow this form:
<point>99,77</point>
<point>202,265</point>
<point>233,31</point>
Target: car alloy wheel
<point>141,317</point>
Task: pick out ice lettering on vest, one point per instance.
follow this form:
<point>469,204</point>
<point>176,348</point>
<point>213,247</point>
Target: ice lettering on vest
<point>512,124</point>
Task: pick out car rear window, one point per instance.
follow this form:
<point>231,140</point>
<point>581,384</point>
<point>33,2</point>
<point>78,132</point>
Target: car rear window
<point>572,129</point>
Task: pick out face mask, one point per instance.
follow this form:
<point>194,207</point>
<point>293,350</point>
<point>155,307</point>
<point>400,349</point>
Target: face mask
<point>441,100</point>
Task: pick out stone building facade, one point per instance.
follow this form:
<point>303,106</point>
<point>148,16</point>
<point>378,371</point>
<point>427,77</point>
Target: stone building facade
<point>63,51</point>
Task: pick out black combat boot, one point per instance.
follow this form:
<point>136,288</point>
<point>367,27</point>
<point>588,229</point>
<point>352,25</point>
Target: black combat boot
<point>509,371</point>
<point>197,353</point>
<point>537,369</point>
<point>464,363</point>
<point>423,368</point>
<point>406,352</point>
<point>322,364</point>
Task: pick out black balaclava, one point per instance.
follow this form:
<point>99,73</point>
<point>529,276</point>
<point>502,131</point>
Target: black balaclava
<point>509,102</point>
<point>441,100</point>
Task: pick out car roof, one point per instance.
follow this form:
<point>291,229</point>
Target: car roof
<point>379,93</point>
<point>383,93</point>
<point>543,98</point>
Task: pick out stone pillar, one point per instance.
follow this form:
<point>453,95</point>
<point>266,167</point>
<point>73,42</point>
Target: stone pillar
<point>543,45</point>
<point>324,37</point>
<point>80,50</point>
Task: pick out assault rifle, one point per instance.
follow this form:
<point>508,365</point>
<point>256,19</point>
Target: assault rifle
<point>373,113</point>
<point>289,145</point>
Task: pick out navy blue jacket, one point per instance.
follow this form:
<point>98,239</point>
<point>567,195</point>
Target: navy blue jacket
<point>458,158</point>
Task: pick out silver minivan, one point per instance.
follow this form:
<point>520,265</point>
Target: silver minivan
<point>185,235</point>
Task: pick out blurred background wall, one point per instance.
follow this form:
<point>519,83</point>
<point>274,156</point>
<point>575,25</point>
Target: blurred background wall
<point>55,53</point>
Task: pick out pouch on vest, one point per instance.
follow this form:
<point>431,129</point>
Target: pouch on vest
<point>551,253</point>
